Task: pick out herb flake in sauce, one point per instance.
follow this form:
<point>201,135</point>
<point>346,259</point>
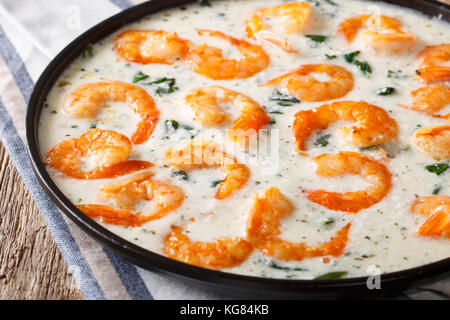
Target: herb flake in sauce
<point>438,168</point>
<point>332,275</point>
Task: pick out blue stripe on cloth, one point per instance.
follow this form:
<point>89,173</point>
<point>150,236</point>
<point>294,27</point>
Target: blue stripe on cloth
<point>131,279</point>
<point>53,218</point>
<point>16,66</point>
<point>122,4</point>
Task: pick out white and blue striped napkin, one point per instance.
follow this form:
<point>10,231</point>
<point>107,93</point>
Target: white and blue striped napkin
<point>31,34</point>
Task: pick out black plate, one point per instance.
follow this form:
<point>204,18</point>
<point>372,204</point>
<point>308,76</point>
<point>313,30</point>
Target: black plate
<point>229,284</point>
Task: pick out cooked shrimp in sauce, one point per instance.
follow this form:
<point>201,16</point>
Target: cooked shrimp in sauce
<point>373,124</point>
<point>301,83</point>
<point>87,100</point>
<point>123,195</point>
<point>206,104</point>
<point>293,17</point>
<point>210,62</point>
<point>199,154</point>
<point>375,173</point>
<point>437,211</point>
<point>380,32</point>
<point>264,233</point>
<point>435,63</point>
<point>434,141</point>
<point>151,46</point>
<point>218,254</point>
<point>431,99</point>
<point>96,154</point>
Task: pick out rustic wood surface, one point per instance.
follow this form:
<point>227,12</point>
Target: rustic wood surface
<point>31,266</point>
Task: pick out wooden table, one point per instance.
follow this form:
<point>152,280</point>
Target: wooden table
<point>31,267</point>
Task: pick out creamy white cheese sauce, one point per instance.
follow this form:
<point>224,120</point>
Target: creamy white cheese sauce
<point>381,236</point>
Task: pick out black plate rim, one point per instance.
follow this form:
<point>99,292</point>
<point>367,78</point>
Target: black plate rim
<point>156,262</point>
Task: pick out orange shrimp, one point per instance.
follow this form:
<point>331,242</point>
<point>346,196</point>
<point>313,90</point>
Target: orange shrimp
<point>206,105</point>
<point>151,46</point>
<point>124,194</point>
<point>295,16</point>
<point>219,254</point>
<point>373,124</point>
<point>263,230</point>
<point>434,65</point>
<point>303,86</point>
<point>437,209</point>
<point>434,141</point>
<point>209,61</point>
<point>380,32</point>
<point>375,173</point>
<point>430,99</point>
<point>87,99</point>
<point>198,154</point>
<point>104,150</point>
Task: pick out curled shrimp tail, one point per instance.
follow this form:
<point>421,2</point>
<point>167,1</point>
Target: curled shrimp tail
<point>114,216</point>
<point>198,154</point>
<point>144,130</point>
<point>437,209</point>
<point>434,141</point>
<point>434,66</point>
<point>209,61</point>
<point>219,254</point>
<point>108,149</point>
<point>263,230</point>
<point>433,74</point>
<point>375,173</point>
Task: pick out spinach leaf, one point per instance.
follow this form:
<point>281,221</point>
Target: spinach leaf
<point>364,67</point>
<point>274,265</point>
<point>282,99</point>
<point>139,76</point>
<point>323,141</point>
<point>183,175</point>
<point>215,183</point>
<point>385,91</point>
<point>172,125</point>
<point>316,37</point>
<point>349,57</point>
<point>437,189</point>
<point>204,3</point>
<point>332,275</point>
<point>437,168</point>
<point>88,52</point>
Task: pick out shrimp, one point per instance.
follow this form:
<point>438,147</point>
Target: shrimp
<point>219,254</point>
<point>106,150</point>
<point>209,61</point>
<point>381,32</point>
<point>375,173</point>
<point>373,124</point>
<point>87,99</point>
<point>124,194</point>
<point>435,63</point>
<point>305,87</point>
<point>198,154</point>
<point>295,16</point>
<point>430,99</point>
<point>263,230</point>
<point>437,209</point>
<point>206,105</point>
<point>151,46</point>
<point>434,141</point>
